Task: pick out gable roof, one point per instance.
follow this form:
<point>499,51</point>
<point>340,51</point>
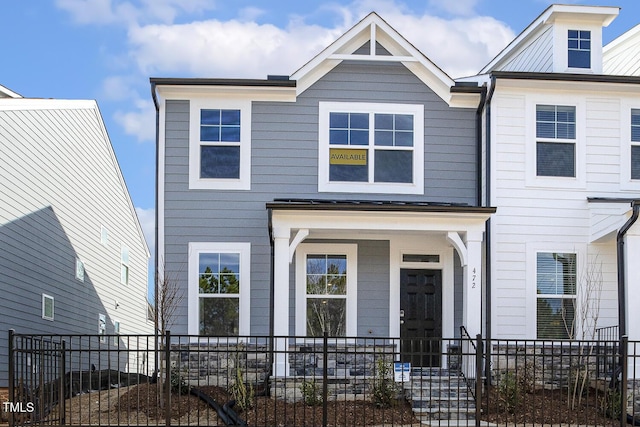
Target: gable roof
<point>377,32</point>
<point>600,14</point>
<point>620,57</point>
<point>8,93</point>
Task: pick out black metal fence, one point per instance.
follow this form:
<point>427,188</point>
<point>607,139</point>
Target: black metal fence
<point>304,381</point>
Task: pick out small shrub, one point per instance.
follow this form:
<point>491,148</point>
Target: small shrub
<point>385,389</point>
<point>242,394</point>
<point>178,383</point>
<point>509,391</point>
<point>611,404</point>
<point>311,393</point>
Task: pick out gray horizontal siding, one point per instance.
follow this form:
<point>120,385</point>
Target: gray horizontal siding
<point>285,165</point>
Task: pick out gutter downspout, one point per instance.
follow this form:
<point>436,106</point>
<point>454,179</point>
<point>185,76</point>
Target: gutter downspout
<point>155,231</point>
<point>272,294</point>
<point>487,108</point>
<point>622,296</point>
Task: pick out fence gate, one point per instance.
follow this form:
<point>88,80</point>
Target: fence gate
<point>36,370</point>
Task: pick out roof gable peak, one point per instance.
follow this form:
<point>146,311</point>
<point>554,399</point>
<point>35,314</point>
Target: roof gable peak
<point>377,32</point>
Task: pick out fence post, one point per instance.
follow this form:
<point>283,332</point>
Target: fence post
<point>325,377</point>
<point>61,396</point>
<point>12,391</point>
<point>624,360</point>
<point>479,357</point>
<point>167,378</point>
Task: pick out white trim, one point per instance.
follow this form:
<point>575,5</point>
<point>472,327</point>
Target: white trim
<point>53,307</point>
<point>555,182</point>
<point>626,183</point>
<point>244,181</point>
<point>160,200</point>
<point>415,187</point>
<point>531,271</point>
<point>242,248</point>
<point>351,251</point>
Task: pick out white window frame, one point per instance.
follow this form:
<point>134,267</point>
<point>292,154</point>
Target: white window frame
<point>104,235</point>
<point>532,281</point>
<point>46,297</point>
<point>116,332</point>
<point>125,270</point>
<point>626,183</point>
<point>555,182</point>
<point>351,252</point>
<point>417,184</point>
<point>80,270</point>
<point>242,248</point>
<point>244,181</point>
<point>102,327</point>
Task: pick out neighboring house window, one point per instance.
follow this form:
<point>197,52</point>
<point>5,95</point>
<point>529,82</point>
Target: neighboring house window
<point>220,145</point>
<point>104,235</point>
<point>555,140</point>
<point>326,290</point>
<point>116,332</point>
<point>219,288</point>
<point>79,270</point>
<point>124,265</point>
<point>47,307</point>
<point>371,148</point>
<point>556,295</point>
<point>635,144</point>
<point>579,53</point>
<point>102,327</point>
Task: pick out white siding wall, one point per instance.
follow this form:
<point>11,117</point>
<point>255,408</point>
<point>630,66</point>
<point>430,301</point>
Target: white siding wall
<point>551,214</point>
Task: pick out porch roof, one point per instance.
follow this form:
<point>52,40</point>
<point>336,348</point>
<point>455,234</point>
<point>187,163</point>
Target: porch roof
<point>375,205</point>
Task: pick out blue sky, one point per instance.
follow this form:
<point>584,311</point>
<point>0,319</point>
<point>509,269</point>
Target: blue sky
<point>107,49</point>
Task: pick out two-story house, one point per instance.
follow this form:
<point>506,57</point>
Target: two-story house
<point>345,197</point>
<point>73,259</point>
<point>561,148</point>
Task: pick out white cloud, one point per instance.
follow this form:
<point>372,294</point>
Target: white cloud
<point>147,218</point>
<point>246,49</point>
<point>141,122</point>
<point>226,49</point>
<point>117,88</point>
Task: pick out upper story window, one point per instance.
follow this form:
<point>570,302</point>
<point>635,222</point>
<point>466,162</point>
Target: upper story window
<point>371,148</point>
<point>555,140</point>
<point>579,53</point>
<point>124,265</point>
<point>220,144</point>
<point>635,144</point>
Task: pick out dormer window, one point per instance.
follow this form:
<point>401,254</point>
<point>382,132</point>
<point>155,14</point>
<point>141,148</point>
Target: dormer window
<point>579,54</point>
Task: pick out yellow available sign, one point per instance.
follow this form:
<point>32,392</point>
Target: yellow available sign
<point>340,156</point>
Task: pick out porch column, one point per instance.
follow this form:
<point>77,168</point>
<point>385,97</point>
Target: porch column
<point>281,299</point>
<point>472,293</point>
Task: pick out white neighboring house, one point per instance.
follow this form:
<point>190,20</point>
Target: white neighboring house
<point>73,259</point>
<point>562,150</point>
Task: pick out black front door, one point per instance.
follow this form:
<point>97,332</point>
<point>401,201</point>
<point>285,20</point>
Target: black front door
<point>421,316</point>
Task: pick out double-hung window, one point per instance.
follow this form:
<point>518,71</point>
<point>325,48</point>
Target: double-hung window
<point>219,289</point>
<point>556,295</point>
<point>579,49</point>
<point>635,144</point>
<point>47,307</point>
<point>326,290</point>
<point>220,144</point>
<point>556,140</point>
<point>376,148</point>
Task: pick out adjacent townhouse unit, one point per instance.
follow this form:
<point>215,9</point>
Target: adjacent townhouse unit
<point>345,197</point>
<point>369,187</point>
<point>561,147</point>
<point>73,259</point>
